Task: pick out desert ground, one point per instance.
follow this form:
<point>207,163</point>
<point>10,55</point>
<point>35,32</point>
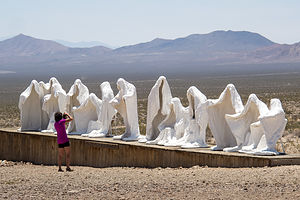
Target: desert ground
<point>19,180</point>
<point>28,181</point>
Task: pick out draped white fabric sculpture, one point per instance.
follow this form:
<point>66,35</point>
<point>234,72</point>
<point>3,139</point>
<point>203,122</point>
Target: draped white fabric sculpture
<point>195,133</point>
<point>266,131</point>
<point>45,89</point>
<point>54,102</point>
<point>157,108</point>
<point>86,115</point>
<point>30,105</point>
<point>126,104</point>
<point>240,123</point>
<point>252,129</point>
<point>229,102</point>
<point>75,97</point>
<point>102,128</point>
<point>174,125</point>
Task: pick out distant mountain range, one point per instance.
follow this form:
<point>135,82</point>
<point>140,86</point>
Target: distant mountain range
<point>83,44</point>
<point>25,47</point>
<point>215,48</point>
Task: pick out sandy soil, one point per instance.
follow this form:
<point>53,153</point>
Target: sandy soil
<point>27,181</point>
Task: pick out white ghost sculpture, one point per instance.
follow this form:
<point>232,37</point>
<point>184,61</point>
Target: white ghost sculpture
<point>126,104</point>
<point>45,89</point>
<point>86,115</point>
<point>54,102</point>
<point>173,126</point>
<point>266,131</point>
<point>157,108</point>
<point>30,105</point>
<point>195,133</point>
<point>75,97</point>
<point>102,128</point>
<point>229,102</point>
<point>240,123</point>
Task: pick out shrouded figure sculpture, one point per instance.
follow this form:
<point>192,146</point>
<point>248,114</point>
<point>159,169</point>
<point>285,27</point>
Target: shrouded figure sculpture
<point>125,102</point>
<point>240,123</point>
<point>45,89</point>
<point>273,123</point>
<point>266,131</point>
<point>30,105</point>
<point>195,133</point>
<point>54,102</point>
<point>229,102</point>
<point>102,127</point>
<point>86,115</point>
<point>75,97</point>
<point>29,97</point>
<point>157,108</point>
<point>173,126</point>
<point>253,129</point>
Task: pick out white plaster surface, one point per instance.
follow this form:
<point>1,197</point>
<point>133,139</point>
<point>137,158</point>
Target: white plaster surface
<point>102,128</point>
<point>31,100</point>
<point>267,131</point>
<point>76,96</point>
<point>240,123</point>
<point>195,133</point>
<point>229,102</point>
<point>157,108</point>
<point>45,88</point>
<point>125,102</point>
<point>86,115</point>
<point>172,128</point>
<point>54,102</point>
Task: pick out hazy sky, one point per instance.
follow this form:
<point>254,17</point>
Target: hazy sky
<point>121,22</point>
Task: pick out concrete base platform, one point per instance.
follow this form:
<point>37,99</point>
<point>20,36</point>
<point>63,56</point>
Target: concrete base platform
<point>41,148</point>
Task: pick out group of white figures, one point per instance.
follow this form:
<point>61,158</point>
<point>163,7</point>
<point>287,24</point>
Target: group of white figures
<point>253,128</point>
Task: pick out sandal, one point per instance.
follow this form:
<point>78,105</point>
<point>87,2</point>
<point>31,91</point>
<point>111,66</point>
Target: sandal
<point>60,170</point>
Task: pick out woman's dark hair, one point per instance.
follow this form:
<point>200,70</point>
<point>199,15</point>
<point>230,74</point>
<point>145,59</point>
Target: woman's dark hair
<point>58,116</point>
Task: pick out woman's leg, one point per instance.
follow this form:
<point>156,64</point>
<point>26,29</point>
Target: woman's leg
<point>68,152</point>
<point>60,156</point>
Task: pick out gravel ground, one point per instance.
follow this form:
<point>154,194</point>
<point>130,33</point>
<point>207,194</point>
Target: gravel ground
<point>28,181</point>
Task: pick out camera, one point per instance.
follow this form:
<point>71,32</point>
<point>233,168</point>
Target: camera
<point>65,116</point>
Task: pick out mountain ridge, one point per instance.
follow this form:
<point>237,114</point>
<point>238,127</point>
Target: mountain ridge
<point>215,48</point>
<point>23,45</point>
<point>217,40</point>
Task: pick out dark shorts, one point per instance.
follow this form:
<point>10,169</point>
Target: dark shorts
<point>66,144</point>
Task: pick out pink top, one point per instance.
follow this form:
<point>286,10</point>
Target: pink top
<point>61,131</point>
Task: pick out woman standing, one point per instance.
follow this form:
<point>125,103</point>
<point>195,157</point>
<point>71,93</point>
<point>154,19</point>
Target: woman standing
<point>62,139</point>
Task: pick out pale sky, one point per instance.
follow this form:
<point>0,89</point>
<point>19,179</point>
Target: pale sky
<point>123,22</point>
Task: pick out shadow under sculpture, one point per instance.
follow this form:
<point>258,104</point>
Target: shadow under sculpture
<point>195,133</point>
<point>173,126</point>
<point>76,96</point>
<point>125,102</point>
<point>105,113</point>
<point>229,102</point>
<point>157,108</point>
<point>54,102</point>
